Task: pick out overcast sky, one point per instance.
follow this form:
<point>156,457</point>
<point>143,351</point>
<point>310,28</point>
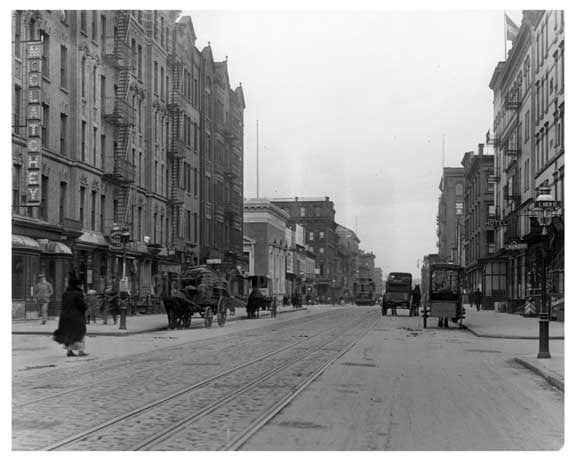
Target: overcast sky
<point>353,105</point>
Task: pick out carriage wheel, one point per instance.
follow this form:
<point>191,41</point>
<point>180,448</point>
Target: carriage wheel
<point>208,317</point>
<point>221,315</point>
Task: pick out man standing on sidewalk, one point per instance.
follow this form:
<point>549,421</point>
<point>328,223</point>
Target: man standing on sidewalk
<point>42,293</point>
<point>478,299</point>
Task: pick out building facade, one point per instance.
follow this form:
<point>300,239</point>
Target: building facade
<point>106,149</point>
<point>348,251</point>
<point>450,214</point>
<point>529,146</point>
<point>317,216</point>
<point>484,271</point>
<point>265,224</point>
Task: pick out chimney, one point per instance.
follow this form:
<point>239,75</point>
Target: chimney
<point>480,149</point>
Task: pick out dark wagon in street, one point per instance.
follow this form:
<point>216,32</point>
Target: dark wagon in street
<point>200,290</point>
<point>398,293</point>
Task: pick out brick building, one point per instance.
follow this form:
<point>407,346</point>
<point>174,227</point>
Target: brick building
<point>317,216</point>
<point>106,136</point>
<point>484,270</point>
<point>450,214</point>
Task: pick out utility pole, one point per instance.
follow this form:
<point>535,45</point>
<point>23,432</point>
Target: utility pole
<point>257,164</point>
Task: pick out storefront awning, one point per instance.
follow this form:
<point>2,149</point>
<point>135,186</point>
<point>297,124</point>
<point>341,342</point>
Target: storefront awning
<point>52,247</point>
<point>92,238</point>
<point>26,243</point>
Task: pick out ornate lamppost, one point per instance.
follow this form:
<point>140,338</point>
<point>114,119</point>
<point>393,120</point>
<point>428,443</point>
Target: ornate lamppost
<point>124,239</point>
<point>544,209</point>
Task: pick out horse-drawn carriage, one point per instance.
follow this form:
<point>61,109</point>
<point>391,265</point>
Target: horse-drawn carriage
<point>260,297</point>
<point>198,291</point>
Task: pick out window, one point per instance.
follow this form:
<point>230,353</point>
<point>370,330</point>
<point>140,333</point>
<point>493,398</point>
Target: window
<point>102,211</point>
<point>63,67</point>
<point>140,62</point>
<point>44,199</point>
<point>94,142</point>
<point>93,212</point>
<point>195,227</point>
<point>83,141</point>
<point>18,34</point>
<point>63,133</point>
<point>321,234</point>
<point>63,201</point>
<point>156,176</point>
<point>82,199</point>
<point>45,124</point>
<point>83,21</point>
<point>94,79</point>
<point>103,29</point>
<point>17,109</point>
<point>139,230</point>
<point>155,25</point>
<point>45,38</point>
<point>188,225</point>
<point>161,82</point>
<point>155,77</point>
<point>83,76</point>
<point>154,222</point>
<point>302,212</point>
<point>311,236</point>
<point>16,185</point>
<point>94,25</point>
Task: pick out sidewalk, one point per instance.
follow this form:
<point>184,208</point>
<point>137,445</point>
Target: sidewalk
<point>491,324</point>
<point>134,324</point>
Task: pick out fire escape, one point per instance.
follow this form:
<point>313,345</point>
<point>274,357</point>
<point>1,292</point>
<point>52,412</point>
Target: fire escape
<point>176,151</point>
<point>119,170</point>
<point>511,146</point>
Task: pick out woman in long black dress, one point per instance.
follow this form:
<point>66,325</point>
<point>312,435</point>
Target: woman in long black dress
<point>72,322</point>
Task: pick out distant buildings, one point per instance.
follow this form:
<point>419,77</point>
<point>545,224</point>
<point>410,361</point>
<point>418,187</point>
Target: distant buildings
<point>450,218</point>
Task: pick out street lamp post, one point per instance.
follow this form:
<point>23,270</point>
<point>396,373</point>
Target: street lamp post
<point>125,238</point>
<point>544,209</point>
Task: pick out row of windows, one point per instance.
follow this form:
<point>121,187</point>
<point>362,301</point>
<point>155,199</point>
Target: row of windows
<point>544,36</point>
<point>91,213</point>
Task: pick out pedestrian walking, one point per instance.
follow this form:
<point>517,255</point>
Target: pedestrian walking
<point>110,304</point>
<point>72,322</point>
<point>478,299</point>
<point>416,295</point>
<point>43,291</point>
<point>92,303</point>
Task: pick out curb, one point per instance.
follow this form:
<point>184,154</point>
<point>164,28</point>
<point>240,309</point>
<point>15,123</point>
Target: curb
<point>483,335</point>
<point>137,332</point>
<point>555,381</point>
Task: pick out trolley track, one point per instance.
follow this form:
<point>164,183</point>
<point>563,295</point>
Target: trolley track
<point>160,420</point>
<point>122,369</point>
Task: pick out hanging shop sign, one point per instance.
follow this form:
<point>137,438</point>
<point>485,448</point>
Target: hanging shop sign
<point>34,124</point>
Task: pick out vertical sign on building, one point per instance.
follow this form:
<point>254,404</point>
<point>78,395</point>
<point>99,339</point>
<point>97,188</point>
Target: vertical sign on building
<point>34,123</point>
